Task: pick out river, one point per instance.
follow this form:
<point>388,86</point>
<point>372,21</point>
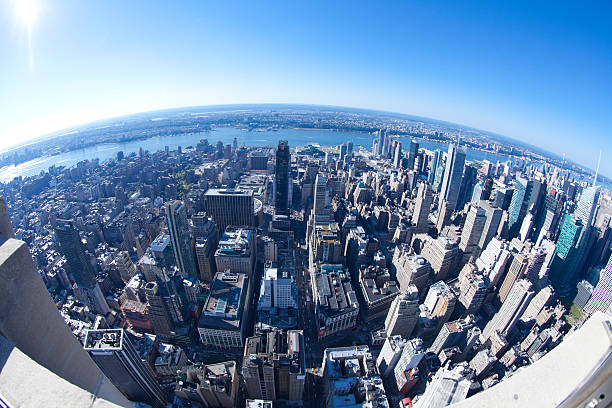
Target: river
<point>226,135</point>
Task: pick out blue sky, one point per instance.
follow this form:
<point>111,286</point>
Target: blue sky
<point>538,71</point>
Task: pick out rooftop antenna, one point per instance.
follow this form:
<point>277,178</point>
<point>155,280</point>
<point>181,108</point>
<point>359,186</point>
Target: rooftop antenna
<point>597,171</point>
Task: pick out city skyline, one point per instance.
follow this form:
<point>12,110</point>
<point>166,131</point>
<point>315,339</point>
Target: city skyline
<point>234,211</point>
<point>535,74</point>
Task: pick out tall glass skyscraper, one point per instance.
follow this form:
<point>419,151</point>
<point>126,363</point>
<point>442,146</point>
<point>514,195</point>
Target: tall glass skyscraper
<point>587,205</point>
<point>565,264</point>
<point>178,227</point>
<point>518,204</point>
<point>282,178</point>
<point>435,163</point>
<point>453,172</point>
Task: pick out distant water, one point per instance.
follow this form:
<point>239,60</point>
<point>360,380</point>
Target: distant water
<point>226,135</point>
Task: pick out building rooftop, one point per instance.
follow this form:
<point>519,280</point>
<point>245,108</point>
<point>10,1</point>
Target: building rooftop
<point>334,291</point>
<point>377,285</point>
<point>223,307</point>
<point>228,192</point>
<point>104,340</point>
<point>160,243</point>
<point>235,242</point>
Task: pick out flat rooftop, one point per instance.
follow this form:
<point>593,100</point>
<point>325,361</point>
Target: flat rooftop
<point>104,340</point>
<point>228,192</point>
<point>223,308</point>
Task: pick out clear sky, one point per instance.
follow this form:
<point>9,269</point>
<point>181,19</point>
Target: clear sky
<point>535,71</point>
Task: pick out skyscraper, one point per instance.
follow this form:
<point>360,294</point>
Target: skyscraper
<point>517,270</point>
<point>435,163</point>
<point>380,142</point>
<point>205,234</point>
<point>512,309</point>
<point>397,155</point>
<point>156,310</point>
<point>472,231</point>
<point>422,207</point>
<point>440,301</point>
<point>452,177</point>
<point>489,230</point>
<point>273,366</point>
<point>564,267</point>
<point>448,386</point>
<point>281,203</point>
<point>320,195</point>
<point>178,227</point>
<point>413,150</point>
<point>519,204</point>
<point>113,352</point>
<point>602,294</point>
<point>230,207</point>
<point>585,211</point>
<point>403,313</point>
<point>80,267</point>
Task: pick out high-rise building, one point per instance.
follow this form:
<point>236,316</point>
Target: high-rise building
<point>383,143</point>
<point>422,207</point>
<point>587,205</point>
<point>222,323</point>
<point>566,261</point>
<point>470,174</point>
<point>442,255</point>
<point>178,227</point>
<point>435,164</point>
<point>378,290</point>
<point>412,270</point>
<point>156,309</point>
<point>455,333</point>
<point>273,366</point>
<point>205,234</point>
<point>347,373</point>
<point>283,157</point>
<point>390,354</point>
<point>472,231</point>
<point>440,301</point>
<point>413,151</point>
<point>519,204</point>
<point>602,294</point>
<point>397,155</point>
<point>510,311</point>
<point>517,270</point>
<point>114,353</point>
<point>320,195</point>
<point>403,313</point>
<point>493,261</point>
<point>162,251</point>
<point>230,207</point>
<point>472,291</point>
<point>448,386</point>
<point>406,371</point>
<point>336,305</point>
<point>482,363</point>
<point>211,385</point>
<point>349,149</point>
<point>539,301</point>
<point>278,290</point>
<point>584,291</point>
<point>453,173</point>
<point>493,218</point>
<point>236,250</point>
<point>80,267</point>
